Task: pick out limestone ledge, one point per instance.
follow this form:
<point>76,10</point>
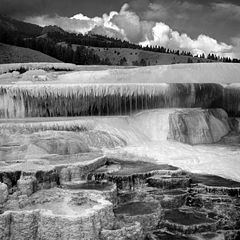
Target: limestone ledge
<point>231,191</point>
<point>36,177</point>
<point>46,222</point>
<point>194,228</point>
<point>133,231</point>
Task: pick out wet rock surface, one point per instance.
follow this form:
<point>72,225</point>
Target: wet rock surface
<point>64,179</point>
<point>54,185</point>
<point>198,126</point>
<point>3,193</point>
<point>214,181</point>
<point>131,231</point>
<point>119,199</point>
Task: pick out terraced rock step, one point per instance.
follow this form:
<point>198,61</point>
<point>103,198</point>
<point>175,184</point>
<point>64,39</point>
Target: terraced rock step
<point>166,235</point>
<point>214,181</point>
<point>137,198</point>
<point>68,178</point>
<point>99,186</point>
<point>188,221</point>
<point>49,214</point>
<point>130,174</point>
<point>169,182</point>
<point>215,185</point>
<point>174,198</point>
<point>131,231</point>
<point>129,168</point>
<point>136,208</point>
<point>160,235</point>
<point>147,213</point>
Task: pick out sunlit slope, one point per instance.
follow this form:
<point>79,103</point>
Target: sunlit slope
<point>14,54</point>
<point>133,56</point>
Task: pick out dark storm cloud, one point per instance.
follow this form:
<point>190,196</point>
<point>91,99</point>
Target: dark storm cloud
<point>161,9</point>
<point>25,8</point>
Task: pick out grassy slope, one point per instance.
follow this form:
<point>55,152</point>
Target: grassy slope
<point>14,54</point>
<point>152,58</point>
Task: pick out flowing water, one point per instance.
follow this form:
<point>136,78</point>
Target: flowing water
<point>146,134</point>
<point>126,97</point>
<point>55,100</point>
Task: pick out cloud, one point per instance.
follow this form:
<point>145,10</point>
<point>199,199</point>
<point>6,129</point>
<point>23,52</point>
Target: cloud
<point>227,10</point>
<point>127,24</point>
<point>155,12</point>
<point>22,9</point>
<point>165,10</point>
<point>130,25</point>
<point>69,24</point>
<point>236,46</point>
<point>163,35</point>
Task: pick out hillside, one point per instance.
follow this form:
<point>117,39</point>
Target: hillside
<point>93,49</point>
<point>27,29</point>
<point>14,54</point>
<point>117,56</point>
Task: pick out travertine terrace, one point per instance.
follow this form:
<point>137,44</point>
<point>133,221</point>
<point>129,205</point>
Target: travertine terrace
<point>103,153</point>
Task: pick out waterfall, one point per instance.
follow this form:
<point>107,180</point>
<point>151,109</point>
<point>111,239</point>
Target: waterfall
<point>232,99</point>
<point>48,100</point>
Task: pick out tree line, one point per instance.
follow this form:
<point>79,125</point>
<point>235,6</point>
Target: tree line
<point>84,56</point>
<point>107,42</point>
<point>216,58</point>
<point>95,40</point>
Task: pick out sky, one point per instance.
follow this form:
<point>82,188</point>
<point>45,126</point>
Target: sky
<point>199,26</point>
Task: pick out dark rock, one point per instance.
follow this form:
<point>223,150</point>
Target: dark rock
<point>147,213</point>
<point>198,126</point>
<point>168,182</point>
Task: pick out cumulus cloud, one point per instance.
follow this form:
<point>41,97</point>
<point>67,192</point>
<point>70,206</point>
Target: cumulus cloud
<point>163,35</point>
<point>127,24</point>
<point>131,26</point>
<point>69,24</point>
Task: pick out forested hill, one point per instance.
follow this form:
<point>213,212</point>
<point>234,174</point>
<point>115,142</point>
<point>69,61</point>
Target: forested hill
<point>91,49</point>
<point>15,54</point>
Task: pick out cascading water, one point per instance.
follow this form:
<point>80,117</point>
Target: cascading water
<point>125,92</point>
<point>48,100</point>
<point>147,136</point>
<point>232,99</point>
<point>153,121</point>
